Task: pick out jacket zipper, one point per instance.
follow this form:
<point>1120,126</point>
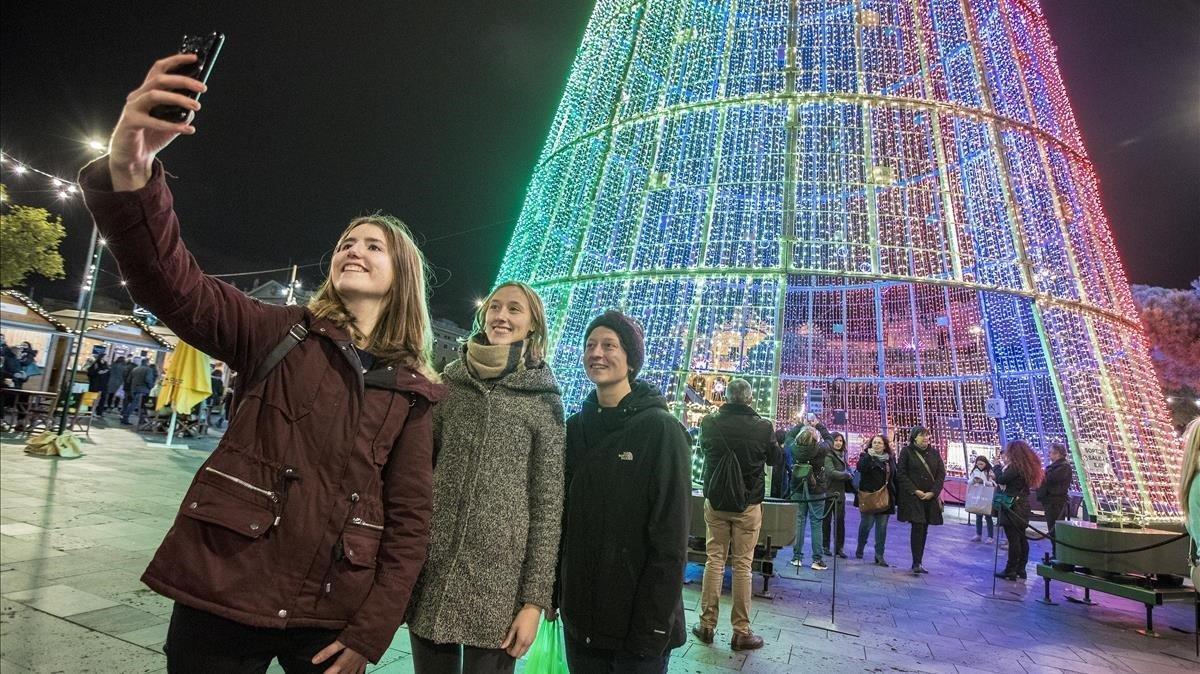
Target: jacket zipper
<point>358,521</point>
<point>242,483</point>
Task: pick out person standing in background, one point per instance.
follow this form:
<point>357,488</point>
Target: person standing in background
<point>735,428</point>
<point>877,466</point>
<point>920,475</point>
<point>1053,492</point>
<point>116,379</point>
<point>982,474</point>
<point>1022,472</point>
<point>838,472</point>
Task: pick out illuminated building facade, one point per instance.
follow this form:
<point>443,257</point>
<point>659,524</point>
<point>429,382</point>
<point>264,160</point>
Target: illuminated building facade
<point>885,200</point>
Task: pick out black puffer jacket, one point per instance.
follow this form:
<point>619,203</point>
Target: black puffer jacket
<point>737,428</point>
<point>624,542</point>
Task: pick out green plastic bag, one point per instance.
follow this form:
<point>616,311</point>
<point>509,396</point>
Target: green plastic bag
<point>547,654</point>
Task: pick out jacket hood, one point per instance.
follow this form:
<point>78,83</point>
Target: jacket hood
<point>644,396</point>
<point>531,380</point>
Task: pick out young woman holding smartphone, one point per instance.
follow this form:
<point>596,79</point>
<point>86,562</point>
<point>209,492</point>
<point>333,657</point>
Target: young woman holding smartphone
<point>301,536</point>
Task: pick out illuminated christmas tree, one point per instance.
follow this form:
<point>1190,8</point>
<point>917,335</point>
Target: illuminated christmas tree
<point>886,201</point>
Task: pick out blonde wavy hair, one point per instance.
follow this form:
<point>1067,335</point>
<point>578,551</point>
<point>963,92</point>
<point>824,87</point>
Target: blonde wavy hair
<point>540,336</point>
<point>1190,466</point>
<point>403,334</point>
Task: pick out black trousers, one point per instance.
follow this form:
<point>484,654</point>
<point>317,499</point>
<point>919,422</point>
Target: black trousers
<point>434,658</point>
<point>583,659</point>
<point>916,541</point>
<point>202,643</point>
<point>1055,510</point>
<point>1018,549</point>
<point>839,512</point>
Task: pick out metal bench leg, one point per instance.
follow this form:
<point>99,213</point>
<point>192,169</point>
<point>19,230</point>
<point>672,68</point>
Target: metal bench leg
<point>1046,594</point>
<point>1149,631</point>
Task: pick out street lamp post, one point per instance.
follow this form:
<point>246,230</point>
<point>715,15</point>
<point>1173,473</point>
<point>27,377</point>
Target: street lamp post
<point>86,295</point>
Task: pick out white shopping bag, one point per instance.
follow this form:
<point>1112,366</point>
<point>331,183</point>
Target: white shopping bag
<point>979,498</point>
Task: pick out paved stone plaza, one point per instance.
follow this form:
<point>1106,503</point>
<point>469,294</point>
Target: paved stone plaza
<point>75,536</point>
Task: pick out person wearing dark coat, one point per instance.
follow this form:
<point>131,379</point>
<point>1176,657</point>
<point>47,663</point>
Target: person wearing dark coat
<point>98,375</point>
<point>920,475</point>
<point>116,379</point>
<point>877,468</point>
<point>838,473</point>
<point>1053,492</point>
<point>628,492</point>
<point>738,430</point>
<point>806,461</point>
<point>1022,471</point>
<point>138,384</point>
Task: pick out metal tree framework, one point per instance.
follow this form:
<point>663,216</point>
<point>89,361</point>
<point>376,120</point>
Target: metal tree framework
<point>885,200</point>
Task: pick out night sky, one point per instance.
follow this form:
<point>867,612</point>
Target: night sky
<point>436,111</point>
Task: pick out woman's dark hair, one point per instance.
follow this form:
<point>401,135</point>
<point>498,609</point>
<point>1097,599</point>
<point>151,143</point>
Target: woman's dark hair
<point>987,464</point>
<point>834,436</point>
<point>916,430</point>
<point>1022,459</point>
<point>887,445</point>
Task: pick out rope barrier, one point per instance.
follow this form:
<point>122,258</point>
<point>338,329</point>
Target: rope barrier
<point>1046,536</point>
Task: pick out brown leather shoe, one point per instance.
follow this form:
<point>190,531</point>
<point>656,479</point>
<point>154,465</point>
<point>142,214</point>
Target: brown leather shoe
<point>745,642</point>
<point>703,633</point>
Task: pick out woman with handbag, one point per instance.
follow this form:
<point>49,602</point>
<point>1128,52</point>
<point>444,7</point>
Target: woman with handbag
<point>982,474</point>
<point>876,497</point>
<point>920,474</point>
<point>497,495</point>
<point>1022,473</point>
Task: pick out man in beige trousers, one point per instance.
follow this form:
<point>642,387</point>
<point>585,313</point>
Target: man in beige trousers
<point>737,430</point>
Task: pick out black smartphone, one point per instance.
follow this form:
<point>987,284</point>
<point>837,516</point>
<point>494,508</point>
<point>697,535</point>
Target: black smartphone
<point>206,48</point>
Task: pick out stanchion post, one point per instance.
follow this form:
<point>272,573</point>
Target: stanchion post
<point>831,625</point>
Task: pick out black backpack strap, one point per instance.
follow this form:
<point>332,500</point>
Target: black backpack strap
<point>295,334</point>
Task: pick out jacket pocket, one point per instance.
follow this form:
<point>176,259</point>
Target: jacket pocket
<point>206,503</point>
<point>360,543</point>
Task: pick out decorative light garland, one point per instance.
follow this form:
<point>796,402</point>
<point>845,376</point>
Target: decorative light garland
<point>65,188</point>
<point>896,198</point>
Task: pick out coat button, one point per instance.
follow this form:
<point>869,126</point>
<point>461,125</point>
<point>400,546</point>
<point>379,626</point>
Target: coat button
<point>586,640</point>
<point>193,505</point>
<point>282,613</point>
<point>354,497</point>
<point>322,329</point>
<point>254,526</point>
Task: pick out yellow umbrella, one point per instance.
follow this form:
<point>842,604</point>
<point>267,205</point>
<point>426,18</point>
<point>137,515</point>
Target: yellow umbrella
<point>186,379</point>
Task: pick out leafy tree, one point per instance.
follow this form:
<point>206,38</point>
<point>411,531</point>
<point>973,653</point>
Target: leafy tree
<point>1172,321</point>
<point>31,237</point>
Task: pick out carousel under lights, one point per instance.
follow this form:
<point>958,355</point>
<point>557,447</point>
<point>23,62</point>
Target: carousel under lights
<point>882,207</point>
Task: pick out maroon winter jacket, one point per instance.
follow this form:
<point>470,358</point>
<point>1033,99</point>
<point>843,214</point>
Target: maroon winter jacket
<point>314,509</point>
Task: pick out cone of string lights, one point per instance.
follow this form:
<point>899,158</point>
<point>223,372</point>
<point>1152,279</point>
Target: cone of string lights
<point>884,201</point>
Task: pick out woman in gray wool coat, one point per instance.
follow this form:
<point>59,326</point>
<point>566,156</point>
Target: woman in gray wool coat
<point>497,495</point>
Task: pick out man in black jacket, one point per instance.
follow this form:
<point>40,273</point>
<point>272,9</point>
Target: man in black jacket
<point>625,527</point>
<point>736,428</point>
<point>1053,492</point>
